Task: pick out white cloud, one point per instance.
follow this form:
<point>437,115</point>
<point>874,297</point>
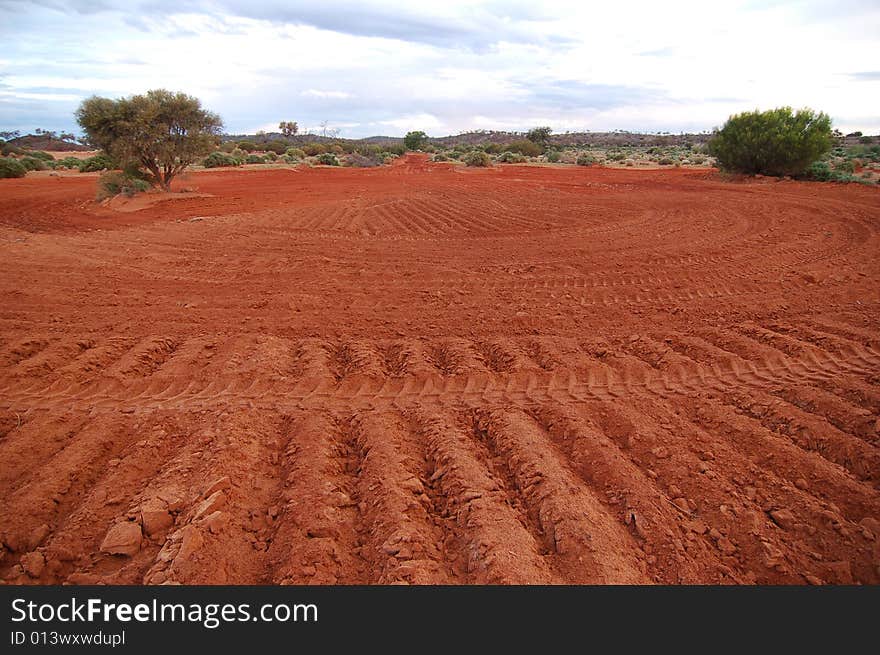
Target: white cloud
<point>316,93</point>
<point>448,67</point>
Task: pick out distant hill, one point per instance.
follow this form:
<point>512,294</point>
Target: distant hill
<point>43,142</point>
<point>485,137</point>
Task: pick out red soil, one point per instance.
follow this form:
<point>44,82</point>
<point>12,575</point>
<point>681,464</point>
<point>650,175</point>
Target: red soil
<point>435,375</point>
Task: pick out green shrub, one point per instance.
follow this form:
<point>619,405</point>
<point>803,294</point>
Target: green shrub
<point>247,146</point>
<point>8,149</point>
<point>776,142</point>
<point>328,159</point>
<point>115,182</point>
<point>553,156</point>
<point>525,147</point>
<point>95,164</point>
<point>68,162</point>
<point>665,161</point>
<point>276,147</point>
<point>314,149</point>
<point>11,168</point>
<point>439,156</point>
<point>255,159</point>
<point>228,146</point>
<point>271,156</point>
<point>39,154</point>
<point>477,158</point>
<point>616,156</point>
<point>32,164</point>
<point>845,166</point>
<point>295,152</point>
<point>398,149</point>
<point>697,159</point>
<point>218,159</point>
<point>865,139</point>
<point>584,159</point>
<point>239,154</point>
<point>511,158</point>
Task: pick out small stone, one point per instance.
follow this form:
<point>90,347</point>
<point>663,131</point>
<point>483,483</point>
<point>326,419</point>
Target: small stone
<point>33,563</point>
<point>155,517</point>
<point>813,580</point>
<point>842,572</point>
<point>783,518</point>
<point>726,546</point>
<point>801,484</point>
<point>215,522</point>
<point>660,452</point>
<point>871,524</point>
<point>192,541</point>
<point>309,570</point>
<point>122,539</point>
<point>674,491</point>
<point>217,485</point>
<point>211,504</point>
<point>37,535</point>
<point>682,504</point>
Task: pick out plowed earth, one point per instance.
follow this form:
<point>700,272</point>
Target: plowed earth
<point>428,374</point>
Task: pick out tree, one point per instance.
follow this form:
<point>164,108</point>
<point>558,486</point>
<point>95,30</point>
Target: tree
<point>288,128</point>
<point>414,140</point>
<point>776,142</point>
<point>159,133</point>
<point>539,135</point>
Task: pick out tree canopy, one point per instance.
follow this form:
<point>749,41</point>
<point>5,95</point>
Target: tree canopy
<point>539,135</point>
<point>414,140</point>
<point>775,142</point>
<point>288,128</point>
<point>160,132</point>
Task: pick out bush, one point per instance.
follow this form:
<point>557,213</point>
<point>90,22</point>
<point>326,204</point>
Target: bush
<point>616,156</point>
<point>865,139</point>
<point>39,154</point>
<point>697,159</point>
<point>776,142</point>
<point>526,147</point>
<point>113,183</point>
<point>68,162</point>
<point>239,154</point>
<point>328,159</point>
<point>665,161</point>
<point>845,166</point>
<point>584,159</point>
<point>95,164</point>
<point>271,156</point>
<point>553,156</point>
<point>357,160</point>
<point>295,152</point>
<point>218,159</point>
<point>255,159</point>
<point>821,171</point>
<point>247,146</point>
<point>8,149</point>
<point>228,146</point>
<point>11,168</point>
<point>32,164</point>
<point>276,147</point>
<point>439,156</point>
<point>511,158</point>
<point>314,149</point>
<point>336,149</point>
<point>477,158</point>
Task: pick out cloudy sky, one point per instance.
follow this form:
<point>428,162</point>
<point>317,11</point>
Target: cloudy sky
<point>377,67</point>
